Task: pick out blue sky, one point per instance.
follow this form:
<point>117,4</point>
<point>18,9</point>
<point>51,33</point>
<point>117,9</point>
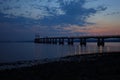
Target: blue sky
<point>22,19</point>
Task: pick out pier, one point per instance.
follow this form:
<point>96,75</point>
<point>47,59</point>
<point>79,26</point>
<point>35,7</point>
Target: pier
<point>71,40</point>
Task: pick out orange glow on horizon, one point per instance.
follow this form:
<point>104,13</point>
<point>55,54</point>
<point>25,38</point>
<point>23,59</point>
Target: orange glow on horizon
<point>95,29</point>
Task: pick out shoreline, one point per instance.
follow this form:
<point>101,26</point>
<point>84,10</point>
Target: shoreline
<point>47,60</point>
<point>30,63</point>
<point>97,66</point>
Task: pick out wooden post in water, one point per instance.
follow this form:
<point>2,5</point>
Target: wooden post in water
<point>70,41</point>
<point>61,40</point>
<point>100,42</point>
<point>83,41</point>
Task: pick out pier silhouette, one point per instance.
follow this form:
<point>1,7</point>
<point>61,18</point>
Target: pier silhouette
<point>71,40</point>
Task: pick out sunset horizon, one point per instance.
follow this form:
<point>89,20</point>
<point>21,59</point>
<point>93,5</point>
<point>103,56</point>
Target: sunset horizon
<point>22,20</point>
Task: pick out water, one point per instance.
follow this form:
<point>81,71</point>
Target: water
<point>11,52</point>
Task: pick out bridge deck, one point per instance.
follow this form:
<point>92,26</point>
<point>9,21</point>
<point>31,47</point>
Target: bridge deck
<point>76,37</point>
<point>70,40</point>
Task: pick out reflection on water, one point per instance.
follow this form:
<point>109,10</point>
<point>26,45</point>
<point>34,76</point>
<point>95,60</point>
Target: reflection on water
<point>51,51</point>
<point>10,52</point>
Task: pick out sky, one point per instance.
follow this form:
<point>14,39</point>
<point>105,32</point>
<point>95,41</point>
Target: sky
<point>23,19</point>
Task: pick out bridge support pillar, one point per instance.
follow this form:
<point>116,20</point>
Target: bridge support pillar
<point>61,40</point>
<point>41,40</point>
<point>37,40</point>
<point>70,41</point>
<point>101,42</point>
<point>44,40</point>
<point>54,41</point>
<point>83,41</point>
<point>50,41</point>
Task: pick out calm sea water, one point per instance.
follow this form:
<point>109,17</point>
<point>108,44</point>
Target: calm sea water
<point>11,52</point>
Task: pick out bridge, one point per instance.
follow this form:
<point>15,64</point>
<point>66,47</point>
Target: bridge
<point>71,40</point>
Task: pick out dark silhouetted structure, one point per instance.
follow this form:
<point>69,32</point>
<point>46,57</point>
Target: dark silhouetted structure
<point>70,40</point>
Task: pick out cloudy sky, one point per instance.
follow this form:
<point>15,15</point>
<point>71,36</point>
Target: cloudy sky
<point>22,19</point>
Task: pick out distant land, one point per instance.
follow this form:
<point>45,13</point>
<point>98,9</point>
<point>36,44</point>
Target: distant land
<point>16,41</point>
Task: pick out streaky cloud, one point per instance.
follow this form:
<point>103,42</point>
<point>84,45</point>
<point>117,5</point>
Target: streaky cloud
<point>47,12</point>
<point>35,9</point>
<point>75,14</point>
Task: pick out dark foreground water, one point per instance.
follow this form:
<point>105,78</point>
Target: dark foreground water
<point>11,52</point>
